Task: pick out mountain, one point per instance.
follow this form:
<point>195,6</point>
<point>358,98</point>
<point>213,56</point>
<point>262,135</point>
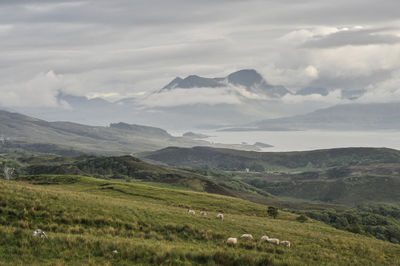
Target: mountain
<point>254,82</point>
<point>193,81</point>
<point>354,116</point>
<point>372,116</point>
<point>117,138</point>
<point>250,79</point>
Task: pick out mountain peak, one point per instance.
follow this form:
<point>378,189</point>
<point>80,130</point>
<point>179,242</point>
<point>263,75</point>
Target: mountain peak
<point>173,84</point>
<point>245,77</point>
<point>248,78</point>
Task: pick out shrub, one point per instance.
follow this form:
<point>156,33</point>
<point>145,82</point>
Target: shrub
<point>302,218</point>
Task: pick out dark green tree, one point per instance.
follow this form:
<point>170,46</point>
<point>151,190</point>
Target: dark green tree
<point>273,212</point>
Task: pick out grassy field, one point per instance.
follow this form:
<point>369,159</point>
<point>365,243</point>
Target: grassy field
<point>86,219</point>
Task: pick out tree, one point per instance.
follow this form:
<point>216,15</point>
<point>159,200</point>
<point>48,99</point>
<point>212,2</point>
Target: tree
<point>273,211</point>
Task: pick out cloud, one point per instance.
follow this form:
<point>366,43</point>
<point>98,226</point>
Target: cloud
<point>355,37</point>
<point>334,97</point>
<point>177,97</point>
<point>311,71</point>
<point>116,49</point>
<point>40,91</point>
<point>385,91</point>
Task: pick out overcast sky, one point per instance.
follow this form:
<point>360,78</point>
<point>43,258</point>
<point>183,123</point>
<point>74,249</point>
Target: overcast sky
<point>124,48</point>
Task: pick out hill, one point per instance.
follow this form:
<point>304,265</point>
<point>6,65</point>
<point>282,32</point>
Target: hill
<point>86,219</point>
<point>66,138</point>
<point>372,116</point>
<point>227,159</point>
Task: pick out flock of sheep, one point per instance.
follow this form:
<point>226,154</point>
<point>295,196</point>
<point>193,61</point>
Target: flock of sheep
<point>234,240</point>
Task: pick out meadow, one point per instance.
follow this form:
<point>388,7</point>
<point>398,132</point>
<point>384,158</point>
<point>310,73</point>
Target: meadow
<point>86,219</point>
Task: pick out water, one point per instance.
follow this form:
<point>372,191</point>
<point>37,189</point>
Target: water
<point>307,140</point>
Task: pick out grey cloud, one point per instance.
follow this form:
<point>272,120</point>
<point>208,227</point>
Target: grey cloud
<point>128,46</point>
<point>353,37</point>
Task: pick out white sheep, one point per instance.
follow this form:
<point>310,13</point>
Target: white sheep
<point>247,236</point>
<point>273,241</point>
<point>203,213</point>
<point>231,241</point>
<point>264,238</point>
<point>220,216</point>
<point>285,243</point>
<point>191,212</point>
<point>39,233</point>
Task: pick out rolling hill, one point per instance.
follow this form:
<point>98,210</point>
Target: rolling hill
<point>66,138</point>
<point>228,159</point>
<point>91,221</point>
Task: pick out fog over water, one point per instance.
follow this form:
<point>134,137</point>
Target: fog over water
<point>307,140</point>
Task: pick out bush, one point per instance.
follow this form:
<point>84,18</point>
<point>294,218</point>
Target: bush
<point>302,218</point>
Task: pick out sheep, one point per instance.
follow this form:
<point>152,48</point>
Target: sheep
<point>285,243</point>
<point>203,213</point>
<point>231,241</point>
<point>264,238</point>
<point>191,212</point>
<point>220,216</point>
<point>247,236</point>
<point>273,241</point>
<point>39,233</point>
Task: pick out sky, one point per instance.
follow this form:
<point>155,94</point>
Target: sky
<point>128,48</point>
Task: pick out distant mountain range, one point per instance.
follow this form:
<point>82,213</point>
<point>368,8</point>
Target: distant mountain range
<point>258,103</point>
<point>249,79</point>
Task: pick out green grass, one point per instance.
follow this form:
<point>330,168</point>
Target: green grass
<point>86,219</point>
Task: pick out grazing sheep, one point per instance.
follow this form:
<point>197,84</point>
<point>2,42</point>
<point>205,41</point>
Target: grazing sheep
<point>191,212</point>
<point>247,236</point>
<point>285,243</point>
<point>220,216</point>
<point>39,233</point>
<point>264,238</point>
<point>115,251</point>
<point>273,241</point>
<point>231,241</point>
<point>203,213</point>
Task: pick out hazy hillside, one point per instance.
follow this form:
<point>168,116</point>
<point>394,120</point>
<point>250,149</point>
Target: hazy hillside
<point>373,116</point>
<point>31,134</point>
<point>120,223</point>
<point>119,138</point>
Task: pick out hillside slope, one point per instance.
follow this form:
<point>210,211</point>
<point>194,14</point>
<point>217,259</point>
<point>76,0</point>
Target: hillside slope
<point>118,138</point>
<point>87,219</point>
<point>372,116</point>
<point>228,159</point>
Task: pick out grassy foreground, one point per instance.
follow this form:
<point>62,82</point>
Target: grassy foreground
<point>86,219</point>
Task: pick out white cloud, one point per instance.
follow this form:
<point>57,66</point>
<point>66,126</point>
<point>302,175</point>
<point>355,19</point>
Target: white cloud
<point>311,71</point>
<point>40,91</point>
<point>386,91</point>
<point>334,97</point>
<point>192,96</point>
